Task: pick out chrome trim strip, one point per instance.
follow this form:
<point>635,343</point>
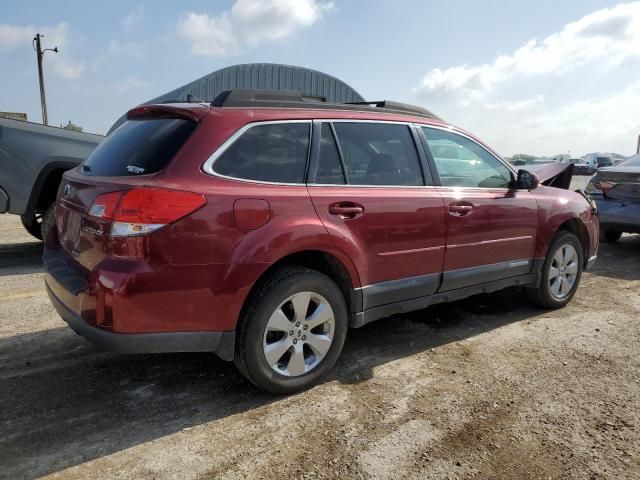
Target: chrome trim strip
<point>207,167</point>
<point>413,250</point>
<point>488,242</point>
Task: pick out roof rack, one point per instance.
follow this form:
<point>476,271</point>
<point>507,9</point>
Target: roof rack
<point>257,98</point>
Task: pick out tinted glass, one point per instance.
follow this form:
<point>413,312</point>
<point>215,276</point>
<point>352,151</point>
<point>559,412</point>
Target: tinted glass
<point>633,161</point>
<point>604,161</point>
<point>139,147</point>
<point>268,153</point>
<point>463,163</point>
<point>329,168</point>
<point>379,154</point>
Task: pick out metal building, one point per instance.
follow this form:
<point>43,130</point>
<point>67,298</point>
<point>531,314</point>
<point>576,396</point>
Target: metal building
<point>271,76</point>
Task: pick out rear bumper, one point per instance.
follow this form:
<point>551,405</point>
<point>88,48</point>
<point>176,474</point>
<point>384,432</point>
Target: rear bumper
<point>616,215</point>
<point>221,343</point>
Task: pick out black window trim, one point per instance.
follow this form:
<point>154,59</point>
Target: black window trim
<point>432,163</point>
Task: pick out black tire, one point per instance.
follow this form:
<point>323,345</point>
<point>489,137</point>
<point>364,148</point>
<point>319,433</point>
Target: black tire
<point>610,236</point>
<point>32,225</point>
<point>542,294</point>
<point>282,284</point>
<point>48,221</point>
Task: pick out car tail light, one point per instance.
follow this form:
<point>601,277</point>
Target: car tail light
<point>601,186</point>
<point>143,210</point>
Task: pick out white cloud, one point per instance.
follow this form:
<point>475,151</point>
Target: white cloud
<point>133,18</point>
<point>131,84</point>
<point>610,35</point>
<point>247,24</point>
<point>551,95</point>
<point>15,37</point>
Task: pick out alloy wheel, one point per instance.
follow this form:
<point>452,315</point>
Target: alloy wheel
<point>299,334</point>
<point>563,271</point>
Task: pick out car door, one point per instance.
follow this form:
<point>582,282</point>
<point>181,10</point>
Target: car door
<point>367,184</point>
<point>491,228</point>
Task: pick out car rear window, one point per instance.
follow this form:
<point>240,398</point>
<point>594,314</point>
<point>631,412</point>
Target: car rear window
<point>139,147</point>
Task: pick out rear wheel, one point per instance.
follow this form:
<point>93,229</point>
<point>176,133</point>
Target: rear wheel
<point>292,331</point>
<point>561,272</point>
<point>38,224</point>
<point>610,236</point>
<point>48,221</point>
<point>31,223</point>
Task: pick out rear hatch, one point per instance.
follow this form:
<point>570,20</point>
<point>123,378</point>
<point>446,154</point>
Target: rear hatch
<point>620,183</point>
<point>108,204</point>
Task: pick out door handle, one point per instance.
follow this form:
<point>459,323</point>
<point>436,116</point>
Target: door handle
<point>346,209</point>
<point>460,209</point>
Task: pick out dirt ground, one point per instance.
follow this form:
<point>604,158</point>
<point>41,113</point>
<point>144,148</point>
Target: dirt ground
<point>489,387</point>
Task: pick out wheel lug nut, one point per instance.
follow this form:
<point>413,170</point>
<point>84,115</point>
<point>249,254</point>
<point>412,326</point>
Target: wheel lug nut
<point>297,324</point>
<point>295,340</point>
<point>304,337</point>
<point>290,332</point>
<point>305,327</point>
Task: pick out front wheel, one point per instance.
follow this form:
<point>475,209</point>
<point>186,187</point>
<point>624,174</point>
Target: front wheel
<point>292,331</point>
<point>561,272</point>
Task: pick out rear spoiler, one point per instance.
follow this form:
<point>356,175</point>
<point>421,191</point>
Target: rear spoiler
<point>166,111</point>
<point>557,175</point>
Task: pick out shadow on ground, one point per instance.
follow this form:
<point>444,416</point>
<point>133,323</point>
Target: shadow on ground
<point>20,258</point>
<point>619,260</point>
<point>64,403</point>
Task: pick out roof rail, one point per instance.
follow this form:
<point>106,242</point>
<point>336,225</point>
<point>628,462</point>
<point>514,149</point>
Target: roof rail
<point>257,98</point>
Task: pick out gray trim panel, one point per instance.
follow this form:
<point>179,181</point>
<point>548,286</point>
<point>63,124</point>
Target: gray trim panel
<point>222,343</point>
<point>398,290</point>
<point>466,277</point>
<point>362,318</point>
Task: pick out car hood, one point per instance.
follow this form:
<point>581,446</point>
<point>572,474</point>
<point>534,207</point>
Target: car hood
<point>557,175</point>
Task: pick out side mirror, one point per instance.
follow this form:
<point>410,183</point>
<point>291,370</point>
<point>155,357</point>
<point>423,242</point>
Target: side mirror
<point>527,180</point>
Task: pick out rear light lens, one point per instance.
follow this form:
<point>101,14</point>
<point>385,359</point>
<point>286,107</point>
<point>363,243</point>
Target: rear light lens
<point>145,209</point>
<point>601,186</point>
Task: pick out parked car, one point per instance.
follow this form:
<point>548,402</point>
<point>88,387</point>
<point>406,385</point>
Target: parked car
<point>616,191</point>
<point>597,160</point>
<point>583,168</point>
<point>33,158</point>
<point>263,226</point>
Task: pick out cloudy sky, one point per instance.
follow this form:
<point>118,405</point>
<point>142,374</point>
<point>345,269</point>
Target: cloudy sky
<point>539,77</point>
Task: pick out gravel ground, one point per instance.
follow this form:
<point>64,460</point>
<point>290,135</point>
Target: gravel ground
<point>487,387</point>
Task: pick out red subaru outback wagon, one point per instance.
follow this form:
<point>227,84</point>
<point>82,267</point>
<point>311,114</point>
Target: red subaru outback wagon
<point>262,226</point>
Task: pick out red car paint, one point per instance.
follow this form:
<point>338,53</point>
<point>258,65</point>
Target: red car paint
<point>195,274</point>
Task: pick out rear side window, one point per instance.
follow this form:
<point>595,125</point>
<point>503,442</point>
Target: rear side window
<point>379,154</point>
<point>139,147</point>
<point>274,152</point>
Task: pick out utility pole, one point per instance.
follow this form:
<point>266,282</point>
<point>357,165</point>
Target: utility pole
<point>40,55</point>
